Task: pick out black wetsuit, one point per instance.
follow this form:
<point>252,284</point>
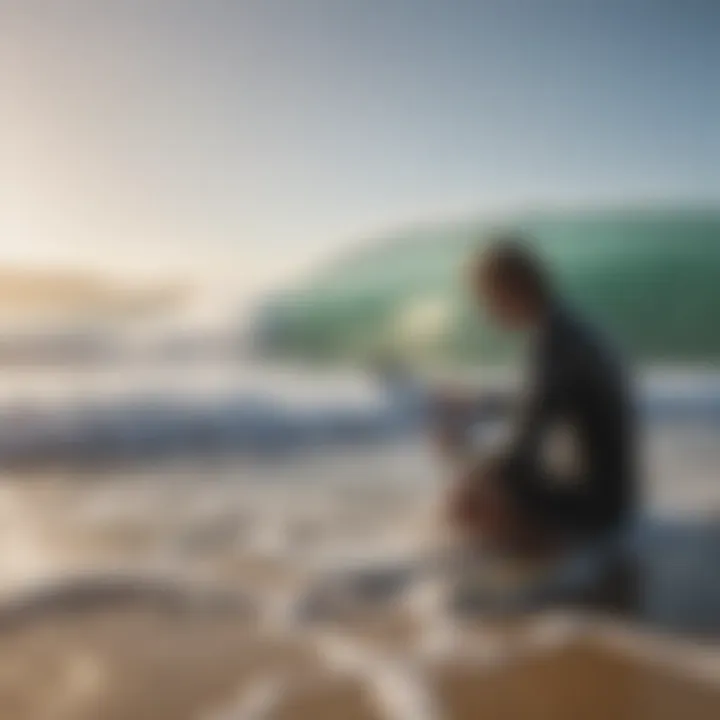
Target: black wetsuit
<point>581,384</point>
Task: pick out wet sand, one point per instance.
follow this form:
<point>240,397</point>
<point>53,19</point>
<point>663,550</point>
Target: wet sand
<point>172,595</point>
<point>147,664</point>
<point>581,681</point>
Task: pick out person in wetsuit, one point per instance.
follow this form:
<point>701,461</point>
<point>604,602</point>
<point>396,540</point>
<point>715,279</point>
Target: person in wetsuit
<point>568,470</point>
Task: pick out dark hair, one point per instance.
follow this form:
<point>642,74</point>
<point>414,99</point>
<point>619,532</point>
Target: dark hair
<point>511,261</point>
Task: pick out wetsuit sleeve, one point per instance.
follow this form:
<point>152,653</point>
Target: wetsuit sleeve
<point>542,401</point>
<point>557,374</point>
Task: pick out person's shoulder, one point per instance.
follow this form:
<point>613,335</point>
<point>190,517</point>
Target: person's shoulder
<point>586,340</point>
<point>566,328</point>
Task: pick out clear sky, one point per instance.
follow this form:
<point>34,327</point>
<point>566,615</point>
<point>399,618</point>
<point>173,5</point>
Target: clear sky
<point>247,137</point>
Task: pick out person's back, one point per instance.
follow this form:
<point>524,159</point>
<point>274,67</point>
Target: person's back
<point>580,387</point>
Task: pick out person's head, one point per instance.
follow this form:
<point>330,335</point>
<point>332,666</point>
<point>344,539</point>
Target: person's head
<point>511,282</point>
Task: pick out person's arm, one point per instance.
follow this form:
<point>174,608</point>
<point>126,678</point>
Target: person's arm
<point>558,373</point>
<point>551,377</point>
<point>538,404</point>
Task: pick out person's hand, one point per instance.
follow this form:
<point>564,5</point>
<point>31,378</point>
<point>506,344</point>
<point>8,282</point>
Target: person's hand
<point>469,504</point>
<point>478,508</point>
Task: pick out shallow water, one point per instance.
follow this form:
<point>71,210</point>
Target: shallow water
<point>297,587</point>
<point>276,533</point>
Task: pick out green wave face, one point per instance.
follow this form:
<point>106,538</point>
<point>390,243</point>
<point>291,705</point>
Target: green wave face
<point>651,277</point>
